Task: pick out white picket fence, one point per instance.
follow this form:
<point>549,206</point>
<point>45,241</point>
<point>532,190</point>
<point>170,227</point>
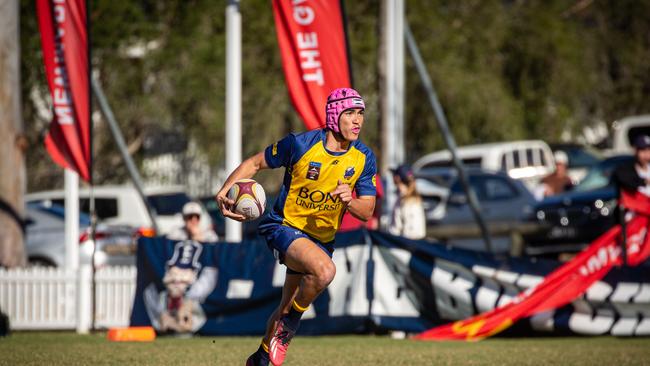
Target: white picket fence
<point>46,298</point>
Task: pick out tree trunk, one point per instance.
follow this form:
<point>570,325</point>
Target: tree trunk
<point>12,140</point>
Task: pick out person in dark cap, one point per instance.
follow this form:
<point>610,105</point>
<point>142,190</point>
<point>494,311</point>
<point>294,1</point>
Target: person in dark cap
<point>635,176</point>
<point>408,219</point>
<point>403,173</point>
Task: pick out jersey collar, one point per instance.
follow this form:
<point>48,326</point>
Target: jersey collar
<point>323,136</point>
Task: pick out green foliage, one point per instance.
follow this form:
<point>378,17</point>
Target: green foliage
<point>503,70</point>
<point>460,42</point>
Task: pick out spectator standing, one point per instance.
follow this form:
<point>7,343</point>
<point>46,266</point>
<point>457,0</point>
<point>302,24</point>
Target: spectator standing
<point>558,181</point>
<point>191,229</point>
<point>635,176</point>
<point>408,219</point>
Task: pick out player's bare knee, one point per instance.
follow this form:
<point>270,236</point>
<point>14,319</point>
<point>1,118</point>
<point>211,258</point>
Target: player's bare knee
<point>325,274</point>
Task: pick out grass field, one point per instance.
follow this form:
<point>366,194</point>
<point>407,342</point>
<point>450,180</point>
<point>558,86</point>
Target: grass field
<point>66,348</point>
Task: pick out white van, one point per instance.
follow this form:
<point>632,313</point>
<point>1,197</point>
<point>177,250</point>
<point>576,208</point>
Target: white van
<point>122,205</point>
<point>528,160</point>
<point>625,130</point>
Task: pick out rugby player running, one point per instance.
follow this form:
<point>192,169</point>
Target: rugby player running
<point>322,167</point>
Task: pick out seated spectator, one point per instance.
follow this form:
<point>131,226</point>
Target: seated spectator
<point>349,222</point>
<point>558,181</point>
<point>635,176</point>
<point>408,219</point>
<point>191,229</point>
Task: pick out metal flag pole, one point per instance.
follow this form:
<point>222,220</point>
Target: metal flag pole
<point>119,140</point>
<point>71,207</point>
<point>92,207</point>
<point>441,120</point>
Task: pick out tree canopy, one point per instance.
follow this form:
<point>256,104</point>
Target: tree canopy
<point>504,70</point>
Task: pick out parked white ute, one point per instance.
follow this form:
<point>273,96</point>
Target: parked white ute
<point>121,205</point>
<point>625,130</point>
<point>527,160</point>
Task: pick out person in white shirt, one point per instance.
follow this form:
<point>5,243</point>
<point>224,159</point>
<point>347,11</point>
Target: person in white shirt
<point>408,219</point>
<point>191,229</point>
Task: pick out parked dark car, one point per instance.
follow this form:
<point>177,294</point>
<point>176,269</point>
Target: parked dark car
<point>574,219</point>
<point>505,205</point>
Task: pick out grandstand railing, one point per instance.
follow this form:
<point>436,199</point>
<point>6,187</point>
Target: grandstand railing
<point>46,298</point>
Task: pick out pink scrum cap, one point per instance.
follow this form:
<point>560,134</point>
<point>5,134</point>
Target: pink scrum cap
<point>338,101</point>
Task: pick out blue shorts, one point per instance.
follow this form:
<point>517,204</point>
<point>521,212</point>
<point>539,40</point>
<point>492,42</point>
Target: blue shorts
<point>279,238</point>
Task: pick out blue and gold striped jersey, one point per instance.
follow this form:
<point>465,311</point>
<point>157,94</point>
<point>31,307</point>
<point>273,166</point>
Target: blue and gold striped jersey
<point>312,173</point>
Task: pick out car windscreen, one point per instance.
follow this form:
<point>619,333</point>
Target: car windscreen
<point>599,176</point>
<point>441,177</point>
<point>579,157</point>
<point>54,210</point>
<point>488,188</point>
<point>168,204</point>
<point>467,162</point>
<point>105,208</point>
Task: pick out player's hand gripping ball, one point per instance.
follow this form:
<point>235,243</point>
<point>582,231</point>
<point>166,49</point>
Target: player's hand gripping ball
<point>249,198</point>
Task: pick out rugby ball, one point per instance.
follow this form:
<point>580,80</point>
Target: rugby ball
<point>249,198</point>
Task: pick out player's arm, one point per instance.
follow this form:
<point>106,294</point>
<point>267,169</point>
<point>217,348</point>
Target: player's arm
<point>361,207</point>
<point>245,170</point>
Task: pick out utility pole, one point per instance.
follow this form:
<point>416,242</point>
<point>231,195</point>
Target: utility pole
<point>233,103</point>
<point>392,85</point>
<point>12,140</point>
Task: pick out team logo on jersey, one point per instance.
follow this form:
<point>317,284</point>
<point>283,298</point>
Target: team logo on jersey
<point>314,170</point>
<point>374,180</point>
<point>335,162</point>
<point>274,149</point>
<point>317,200</point>
<point>349,172</point>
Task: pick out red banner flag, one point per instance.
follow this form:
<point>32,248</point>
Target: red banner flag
<point>312,41</point>
<point>64,39</point>
<point>563,285</point>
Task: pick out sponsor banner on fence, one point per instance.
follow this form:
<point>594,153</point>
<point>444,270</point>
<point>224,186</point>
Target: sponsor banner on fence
<point>560,287</point>
<point>382,282</point>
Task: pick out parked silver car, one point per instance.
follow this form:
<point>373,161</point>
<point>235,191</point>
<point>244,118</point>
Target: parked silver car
<point>505,203</point>
<point>45,238</point>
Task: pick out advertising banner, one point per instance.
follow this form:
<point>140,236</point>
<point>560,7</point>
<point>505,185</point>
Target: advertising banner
<point>311,36</point>
<point>64,39</point>
<point>383,283</point>
<point>561,286</point>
